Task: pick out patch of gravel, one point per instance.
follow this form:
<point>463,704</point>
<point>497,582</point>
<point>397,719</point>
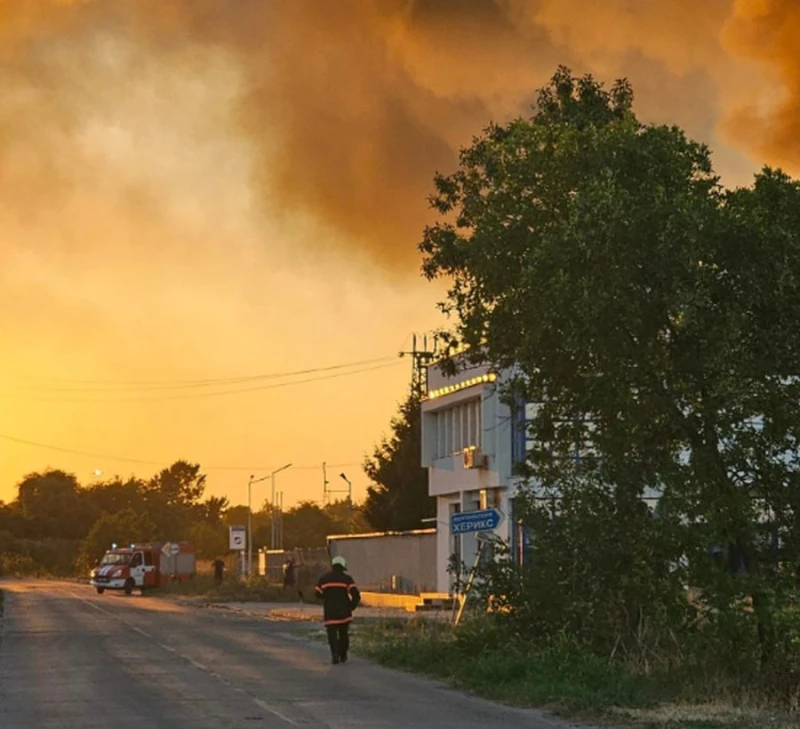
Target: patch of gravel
<point>711,714</point>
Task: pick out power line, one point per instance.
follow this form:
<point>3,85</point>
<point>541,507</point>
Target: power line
<point>158,464</point>
<point>75,452</point>
<point>193,395</point>
<point>114,386</point>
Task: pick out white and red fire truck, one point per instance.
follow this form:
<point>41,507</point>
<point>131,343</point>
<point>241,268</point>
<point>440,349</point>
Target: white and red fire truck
<point>143,566</point>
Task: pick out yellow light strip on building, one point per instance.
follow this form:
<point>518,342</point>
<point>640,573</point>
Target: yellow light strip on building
<point>450,389</point>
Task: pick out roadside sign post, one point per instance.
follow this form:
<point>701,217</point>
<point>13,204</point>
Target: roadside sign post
<point>473,522</point>
<point>468,522</point>
<point>462,603</point>
<point>237,538</point>
<point>174,550</point>
<point>237,542</point>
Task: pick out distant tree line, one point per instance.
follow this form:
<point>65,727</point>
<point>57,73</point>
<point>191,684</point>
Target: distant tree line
<point>57,526</point>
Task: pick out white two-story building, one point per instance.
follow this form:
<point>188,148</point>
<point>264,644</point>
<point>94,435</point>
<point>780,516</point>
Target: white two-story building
<point>470,443</point>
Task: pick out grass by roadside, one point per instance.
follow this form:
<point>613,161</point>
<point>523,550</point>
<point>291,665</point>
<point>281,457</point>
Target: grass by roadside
<point>232,590</point>
<point>560,678</point>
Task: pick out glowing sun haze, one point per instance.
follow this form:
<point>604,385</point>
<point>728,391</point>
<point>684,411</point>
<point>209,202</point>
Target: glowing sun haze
<point>203,189</point>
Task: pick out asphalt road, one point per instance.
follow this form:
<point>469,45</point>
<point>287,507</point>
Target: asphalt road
<point>72,659</point>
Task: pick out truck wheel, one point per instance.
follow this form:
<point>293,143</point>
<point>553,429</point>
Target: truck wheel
<point>100,590</point>
<point>129,585</point>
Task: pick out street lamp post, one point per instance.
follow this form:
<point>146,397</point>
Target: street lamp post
<point>349,498</point>
<point>250,524</point>
<point>349,487</point>
<point>272,503</point>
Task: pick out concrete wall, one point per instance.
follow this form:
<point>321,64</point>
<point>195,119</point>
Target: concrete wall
<point>391,561</point>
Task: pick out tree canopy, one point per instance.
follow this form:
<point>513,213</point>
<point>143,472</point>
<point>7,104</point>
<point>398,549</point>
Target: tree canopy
<point>397,498</point>
<point>650,316</point>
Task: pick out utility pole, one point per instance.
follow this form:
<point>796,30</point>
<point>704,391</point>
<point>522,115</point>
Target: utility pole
<point>273,531</point>
<point>326,491</point>
<point>420,358</point>
<point>280,520</point>
<point>249,527</point>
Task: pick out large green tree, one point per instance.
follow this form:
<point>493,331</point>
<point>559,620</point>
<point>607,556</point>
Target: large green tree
<point>52,505</point>
<point>307,525</point>
<point>650,314</point>
<point>182,484</point>
<point>347,517</point>
<point>109,497</point>
<point>397,498</point>
<point>172,499</point>
<point>123,528</point>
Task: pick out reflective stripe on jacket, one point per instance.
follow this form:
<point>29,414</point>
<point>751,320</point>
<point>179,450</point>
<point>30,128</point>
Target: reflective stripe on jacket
<point>340,595</point>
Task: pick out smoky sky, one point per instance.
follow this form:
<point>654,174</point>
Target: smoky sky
<point>350,107</point>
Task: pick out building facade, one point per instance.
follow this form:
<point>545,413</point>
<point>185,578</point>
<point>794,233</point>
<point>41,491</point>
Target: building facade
<point>470,442</point>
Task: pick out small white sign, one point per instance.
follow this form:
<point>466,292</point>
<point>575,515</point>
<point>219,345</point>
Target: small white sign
<point>166,550</point>
<point>174,549</point>
<point>237,537</point>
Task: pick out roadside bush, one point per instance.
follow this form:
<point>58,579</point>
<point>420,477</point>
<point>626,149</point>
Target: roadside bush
<point>16,565</point>
<point>780,678</point>
<point>232,589</point>
<point>602,571</point>
<point>480,655</point>
<point>604,590</point>
<point>37,557</point>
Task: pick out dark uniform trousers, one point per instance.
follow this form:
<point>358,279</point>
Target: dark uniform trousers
<point>339,638</point>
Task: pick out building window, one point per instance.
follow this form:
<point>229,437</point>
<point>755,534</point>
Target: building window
<point>579,448</point>
<point>473,433</point>
<point>458,427</point>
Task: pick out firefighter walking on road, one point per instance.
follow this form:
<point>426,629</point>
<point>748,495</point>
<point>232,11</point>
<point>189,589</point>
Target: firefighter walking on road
<point>341,596</point>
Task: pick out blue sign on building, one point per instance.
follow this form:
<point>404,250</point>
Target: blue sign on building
<point>466,522</point>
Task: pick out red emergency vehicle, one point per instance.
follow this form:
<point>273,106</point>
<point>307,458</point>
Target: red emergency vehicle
<point>143,566</point>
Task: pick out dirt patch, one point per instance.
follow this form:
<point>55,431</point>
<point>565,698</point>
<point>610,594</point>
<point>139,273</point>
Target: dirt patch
<point>710,715</point>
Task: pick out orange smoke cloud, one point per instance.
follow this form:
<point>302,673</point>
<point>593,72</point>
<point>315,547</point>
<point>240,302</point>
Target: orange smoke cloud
<point>352,106</point>
<point>768,31</point>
